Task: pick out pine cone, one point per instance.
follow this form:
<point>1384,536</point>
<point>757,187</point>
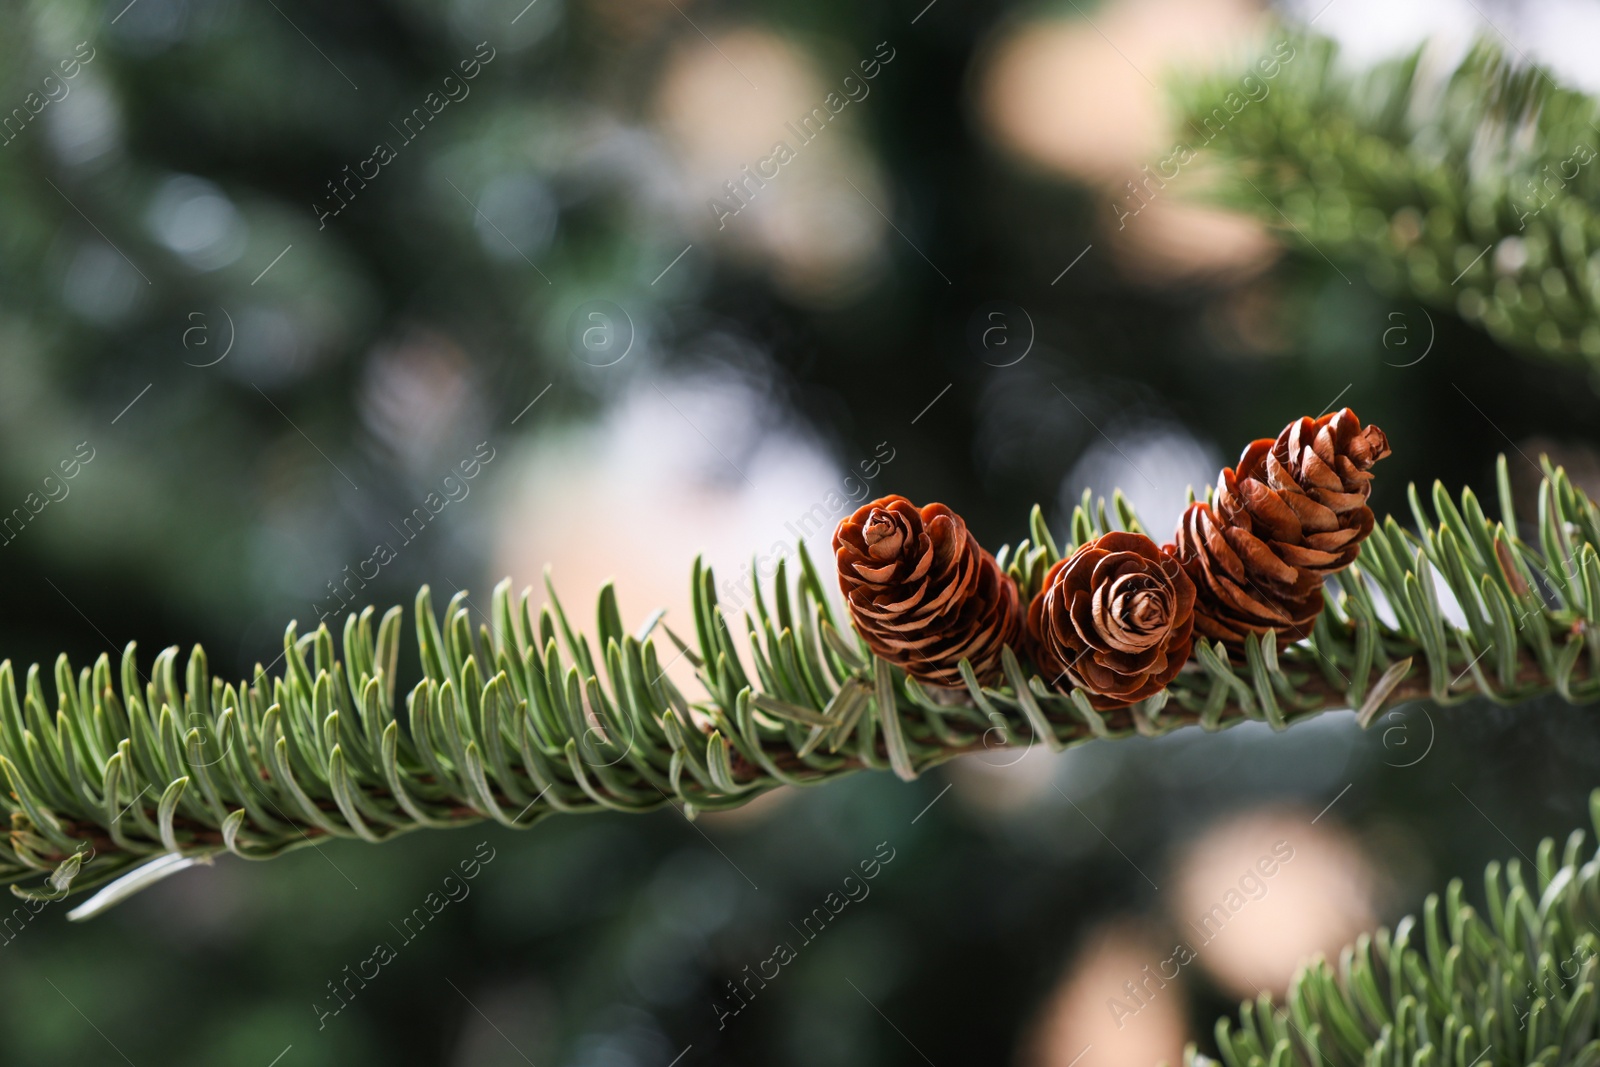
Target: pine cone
<point>1293,512</point>
<point>1115,618</point>
<point>922,591</point>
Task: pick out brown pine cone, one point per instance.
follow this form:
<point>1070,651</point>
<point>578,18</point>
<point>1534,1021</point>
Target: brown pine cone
<point>922,591</point>
<point>1115,619</point>
<point>1293,512</point>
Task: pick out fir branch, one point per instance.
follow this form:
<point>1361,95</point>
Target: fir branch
<point>1513,988</point>
<point>520,716</point>
<point>1477,190</point>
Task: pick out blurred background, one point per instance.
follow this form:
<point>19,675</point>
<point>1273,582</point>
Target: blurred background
<point>320,303</point>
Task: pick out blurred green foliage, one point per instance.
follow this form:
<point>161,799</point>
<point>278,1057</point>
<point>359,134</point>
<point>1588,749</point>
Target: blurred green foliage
<point>1470,190</point>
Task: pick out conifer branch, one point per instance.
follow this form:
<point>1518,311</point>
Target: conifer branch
<point>1512,988</point>
<point>519,716</point>
<point>1474,190</point>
